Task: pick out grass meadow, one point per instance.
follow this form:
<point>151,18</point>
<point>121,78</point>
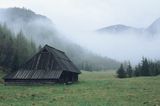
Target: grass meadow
<point>93,89</point>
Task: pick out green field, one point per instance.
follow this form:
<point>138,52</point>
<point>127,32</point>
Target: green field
<point>93,89</point>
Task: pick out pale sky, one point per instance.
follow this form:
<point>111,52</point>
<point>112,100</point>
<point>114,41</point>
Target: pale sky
<point>85,15</point>
<point>76,18</point>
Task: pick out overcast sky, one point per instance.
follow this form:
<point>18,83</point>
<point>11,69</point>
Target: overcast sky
<point>85,15</point>
<point>75,18</point>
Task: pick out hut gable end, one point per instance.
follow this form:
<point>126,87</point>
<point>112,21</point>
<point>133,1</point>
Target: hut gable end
<point>42,60</point>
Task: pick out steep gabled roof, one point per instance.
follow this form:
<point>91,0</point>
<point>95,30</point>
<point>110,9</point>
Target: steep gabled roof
<point>28,70</point>
<point>63,61</point>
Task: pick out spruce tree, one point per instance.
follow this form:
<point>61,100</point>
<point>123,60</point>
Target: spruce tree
<point>136,72</point>
<point>14,50</point>
<point>145,67</point>
<point>15,64</point>
<point>129,70</point>
<point>121,72</point>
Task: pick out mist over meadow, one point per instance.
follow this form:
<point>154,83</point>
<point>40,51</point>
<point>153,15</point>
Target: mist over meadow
<point>126,45</point>
<point>78,21</point>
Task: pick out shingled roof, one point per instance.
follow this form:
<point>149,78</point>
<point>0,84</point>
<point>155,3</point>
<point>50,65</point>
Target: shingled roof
<point>45,66</point>
<point>63,61</point>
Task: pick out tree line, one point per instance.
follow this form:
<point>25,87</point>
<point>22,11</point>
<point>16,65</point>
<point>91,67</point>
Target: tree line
<point>14,49</point>
<point>145,68</point>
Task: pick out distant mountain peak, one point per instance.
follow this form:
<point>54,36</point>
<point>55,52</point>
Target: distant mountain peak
<point>119,28</point>
<point>153,29</point>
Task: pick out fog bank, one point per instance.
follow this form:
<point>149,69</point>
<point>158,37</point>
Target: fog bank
<point>122,47</point>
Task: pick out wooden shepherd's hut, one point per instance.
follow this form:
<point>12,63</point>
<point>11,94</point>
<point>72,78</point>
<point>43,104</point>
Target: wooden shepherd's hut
<point>49,65</point>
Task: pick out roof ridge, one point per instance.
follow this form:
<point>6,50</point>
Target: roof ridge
<point>54,48</point>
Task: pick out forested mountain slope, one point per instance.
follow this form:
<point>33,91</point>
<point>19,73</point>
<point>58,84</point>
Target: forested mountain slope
<point>41,30</point>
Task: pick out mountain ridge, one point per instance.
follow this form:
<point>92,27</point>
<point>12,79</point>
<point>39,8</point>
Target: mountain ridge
<point>152,29</point>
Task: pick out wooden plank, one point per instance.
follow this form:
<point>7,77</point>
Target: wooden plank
<point>38,61</point>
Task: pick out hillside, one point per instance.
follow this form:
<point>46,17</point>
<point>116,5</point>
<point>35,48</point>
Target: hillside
<point>94,89</point>
<point>40,29</point>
